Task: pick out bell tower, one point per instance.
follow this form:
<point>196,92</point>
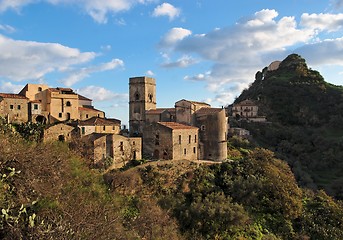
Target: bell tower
<point>142,97</point>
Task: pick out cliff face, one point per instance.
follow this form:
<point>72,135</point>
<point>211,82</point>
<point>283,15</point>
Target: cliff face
<point>307,122</point>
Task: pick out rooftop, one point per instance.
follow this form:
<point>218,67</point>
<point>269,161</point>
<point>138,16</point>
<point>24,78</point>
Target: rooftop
<point>175,125</point>
<point>12,95</point>
<point>209,110</point>
<point>96,121</point>
<point>159,110</point>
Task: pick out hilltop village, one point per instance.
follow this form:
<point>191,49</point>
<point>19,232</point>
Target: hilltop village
<point>190,130</point>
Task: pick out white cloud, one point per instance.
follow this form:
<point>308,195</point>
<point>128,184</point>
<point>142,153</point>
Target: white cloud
<point>239,51</point>
<point>327,52</point>
<point>25,60</point>
<point>8,87</point>
<point>79,74</point>
<point>326,22</point>
<point>173,36</point>
<point>14,4</point>
<point>97,9</point>
<point>7,28</point>
<point>101,94</point>
<point>150,73</point>
<point>166,9</point>
<point>182,62</point>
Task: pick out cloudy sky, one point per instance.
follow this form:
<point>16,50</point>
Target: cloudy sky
<point>201,50</point>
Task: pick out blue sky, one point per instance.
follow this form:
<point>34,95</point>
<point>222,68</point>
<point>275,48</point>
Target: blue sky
<point>201,50</point>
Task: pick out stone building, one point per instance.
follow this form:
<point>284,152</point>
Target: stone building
<point>99,125</point>
<point>99,146</point>
<point>247,110</point>
<point>13,107</point>
<point>171,140</point>
<point>60,132</point>
<point>142,97</point>
<point>149,122</point>
<point>212,124</point>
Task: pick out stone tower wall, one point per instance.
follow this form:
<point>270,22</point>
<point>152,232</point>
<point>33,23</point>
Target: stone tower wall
<point>142,97</point>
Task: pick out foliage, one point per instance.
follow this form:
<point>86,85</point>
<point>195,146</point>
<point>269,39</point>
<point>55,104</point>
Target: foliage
<point>306,128</point>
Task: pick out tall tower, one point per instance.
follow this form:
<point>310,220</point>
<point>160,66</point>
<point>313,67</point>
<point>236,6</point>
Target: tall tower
<point>142,91</point>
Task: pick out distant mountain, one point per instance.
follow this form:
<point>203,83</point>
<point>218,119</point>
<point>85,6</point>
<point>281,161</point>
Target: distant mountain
<point>307,122</point>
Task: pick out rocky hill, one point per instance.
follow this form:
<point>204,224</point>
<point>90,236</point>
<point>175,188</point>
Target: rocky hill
<point>307,122</point>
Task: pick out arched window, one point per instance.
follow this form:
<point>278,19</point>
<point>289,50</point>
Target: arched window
<point>68,104</point>
<point>39,89</point>
<point>136,96</point>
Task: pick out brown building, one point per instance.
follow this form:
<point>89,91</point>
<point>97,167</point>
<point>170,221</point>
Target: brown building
<point>99,125</point>
<point>60,132</point>
<point>13,107</point>
<point>142,97</point>
<point>158,124</point>
<point>99,146</point>
<point>170,140</point>
<point>247,110</point>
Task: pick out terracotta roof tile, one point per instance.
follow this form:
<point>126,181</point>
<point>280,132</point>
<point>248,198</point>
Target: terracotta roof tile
<point>84,98</point>
<point>96,121</point>
<point>89,109</point>
<point>175,125</point>
<point>12,95</point>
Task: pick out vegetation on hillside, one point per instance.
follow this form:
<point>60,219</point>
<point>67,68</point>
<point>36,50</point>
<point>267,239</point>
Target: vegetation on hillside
<point>306,115</point>
<point>47,192</point>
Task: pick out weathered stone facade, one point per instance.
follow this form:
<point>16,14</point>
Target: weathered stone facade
<point>99,146</point>
<point>247,110</point>
<point>158,123</point>
<point>60,132</point>
<point>170,140</point>
<point>99,125</point>
<point>14,107</point>
<point>142,97</point>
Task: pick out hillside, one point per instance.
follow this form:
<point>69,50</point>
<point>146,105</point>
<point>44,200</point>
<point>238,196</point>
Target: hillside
<point>307,115</point>
<point>48,192</point>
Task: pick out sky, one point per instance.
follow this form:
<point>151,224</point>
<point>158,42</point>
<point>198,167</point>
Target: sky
<point>201,50</point>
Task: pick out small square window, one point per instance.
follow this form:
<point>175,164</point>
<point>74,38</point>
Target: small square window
<point>11,106</point>
<point>35,106</point>
<point>19,107</point>
<point>60,115</point>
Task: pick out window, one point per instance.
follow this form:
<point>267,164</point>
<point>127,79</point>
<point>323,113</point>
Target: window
<point>86,115</point>
<point>203,128</point>
<point>60,115</point>
<point>104,128</point>
<point>194,150</point>
<point>114,128</point>
<point>136,96</point>
<point>157,139</point>
<point>83,130</point>
<point>11,107</point>
<point>179,139</point>
<point>189,138</point>
<point>150,97</point>
<point>133,143</point>
<point>184,151</point>
<point>39,89</point>
<point>68,104</point>
<point>35,106</point>
<point>195,138</point>
<point>19,107</point>
<point>121,146</point>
